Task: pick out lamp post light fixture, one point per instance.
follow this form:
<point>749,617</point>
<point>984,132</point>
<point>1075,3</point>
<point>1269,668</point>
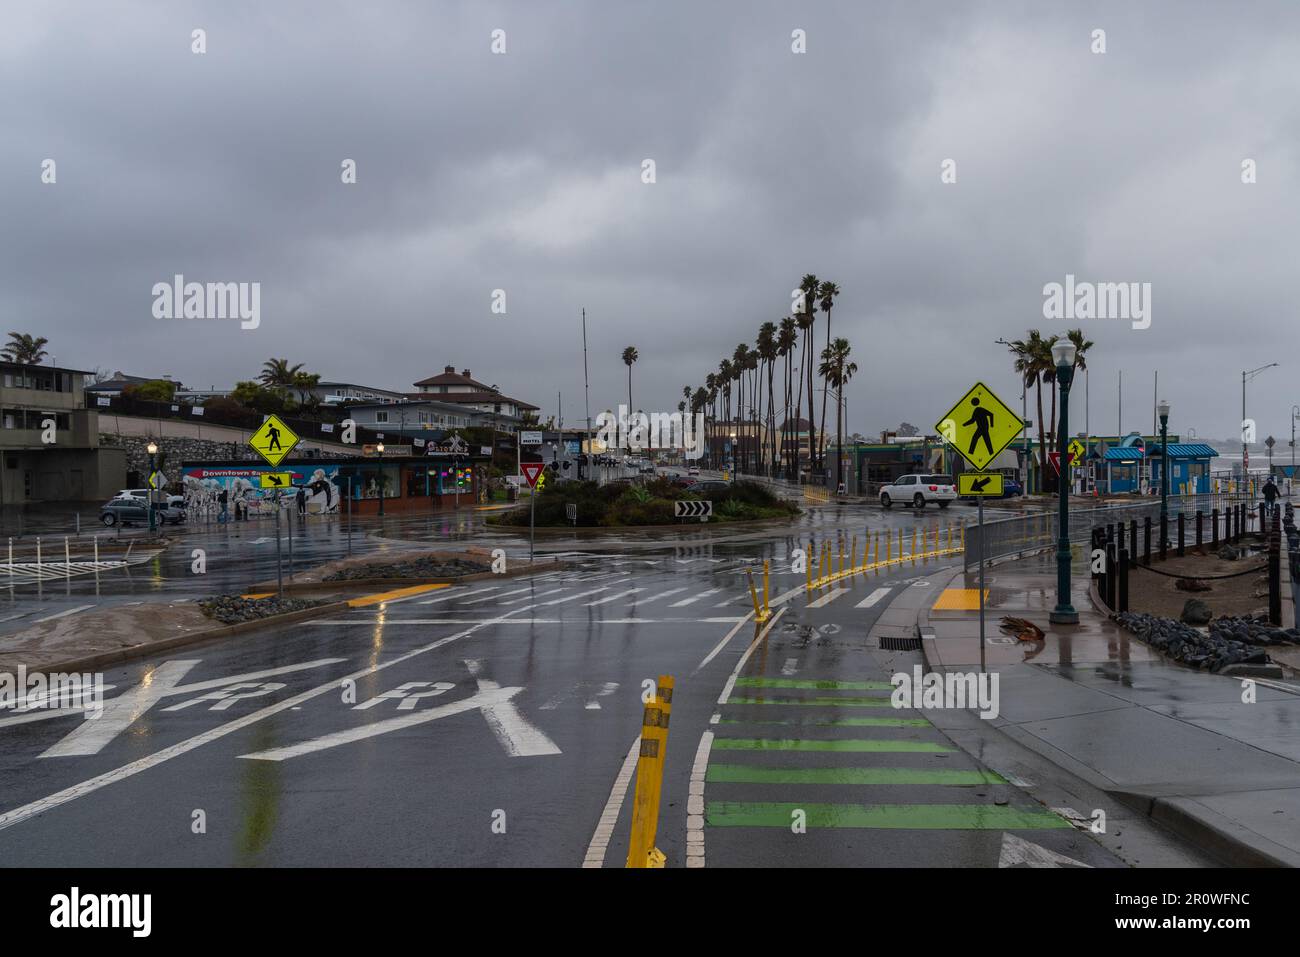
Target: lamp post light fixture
<point>1063,354</point>
<point>380,481</point>
<point>1246,431</point>
<point>152,449</point>
<point>731,457</point>
<point>1163,410</point>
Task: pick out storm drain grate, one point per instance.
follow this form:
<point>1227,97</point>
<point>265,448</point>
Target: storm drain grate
<point>900,644</point>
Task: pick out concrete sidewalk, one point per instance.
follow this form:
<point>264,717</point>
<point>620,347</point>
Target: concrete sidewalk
<point>1175,744</point>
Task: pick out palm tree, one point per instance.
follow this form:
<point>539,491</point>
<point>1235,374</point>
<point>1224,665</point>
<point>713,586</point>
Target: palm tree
<point>711,387</point>
<point>807,318</point>
<point>629,356</point>
<point>1081,347</point>
<point>739,362</point>
<point>836,370</point>
<point>24,349</point>
<point>767,352</point>
<point>1033,359</point>
<point>786,340</point>
<point>828,291</point>
<point>277,373</point>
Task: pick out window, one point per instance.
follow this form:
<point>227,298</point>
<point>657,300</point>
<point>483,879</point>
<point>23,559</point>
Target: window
<point>381,417</point>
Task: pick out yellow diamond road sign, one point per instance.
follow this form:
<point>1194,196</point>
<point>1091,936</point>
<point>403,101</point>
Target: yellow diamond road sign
<point>276,479</point>
<point>980,426</point>
<point>274,440</point>
<point>1076,452</point>
<point>980,483</point>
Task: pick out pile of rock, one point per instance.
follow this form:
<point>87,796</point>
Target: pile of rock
<point>415,568</point>
<point>232,609</point>
<point>1250,631</point>
<point>1193,648</point>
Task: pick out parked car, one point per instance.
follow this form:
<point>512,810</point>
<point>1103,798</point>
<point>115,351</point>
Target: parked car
<point>918,490</point>
<point>128,509</point>
<point>693,470</point>
<point>710,485</point>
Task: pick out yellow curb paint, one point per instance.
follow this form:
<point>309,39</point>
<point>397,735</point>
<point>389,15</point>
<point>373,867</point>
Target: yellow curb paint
<point>396,593</point>
<point>258,595</point>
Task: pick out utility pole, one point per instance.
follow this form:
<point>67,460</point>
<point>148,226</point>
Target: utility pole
<point>586,390</point>
<point>1245,453</point>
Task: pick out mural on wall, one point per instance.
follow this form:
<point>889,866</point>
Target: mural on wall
<point>317,486</point>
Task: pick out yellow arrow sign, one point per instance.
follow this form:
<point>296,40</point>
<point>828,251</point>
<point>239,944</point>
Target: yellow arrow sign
<point>988,484</point>
<point>276,479</point>
<point>980,426</point>
<point>157,480</point>
<point>274,440</point>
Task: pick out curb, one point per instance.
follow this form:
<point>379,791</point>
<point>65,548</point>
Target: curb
<point>307,588</point>
<point>90,662</point>
<point>1232,843</point>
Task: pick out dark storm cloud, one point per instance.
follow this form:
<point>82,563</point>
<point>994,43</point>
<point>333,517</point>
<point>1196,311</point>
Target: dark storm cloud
<point>522,172</point>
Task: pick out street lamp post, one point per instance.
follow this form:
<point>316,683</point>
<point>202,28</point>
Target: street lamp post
<point>1295,412</point>
<point>380,481</point>
<point>1245,455</point>
<point>1163,410</point>
<point>153,453</point>
<point>731,455</point>
<point>1063,353</point>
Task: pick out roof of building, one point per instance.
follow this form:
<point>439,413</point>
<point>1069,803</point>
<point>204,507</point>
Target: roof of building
<point>467,398</point>
<point>1127,454</point>
<point>1188,450</point>
<point>449,376</point>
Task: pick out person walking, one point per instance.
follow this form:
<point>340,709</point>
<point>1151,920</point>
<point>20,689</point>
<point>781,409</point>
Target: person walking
<point>224,501</point>
<point>302,502</point>
<point>1270,494</point>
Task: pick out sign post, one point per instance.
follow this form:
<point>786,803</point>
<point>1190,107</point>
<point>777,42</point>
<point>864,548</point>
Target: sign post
<point>979,427</point>
<point>532,472</point>
<point>273,441</point>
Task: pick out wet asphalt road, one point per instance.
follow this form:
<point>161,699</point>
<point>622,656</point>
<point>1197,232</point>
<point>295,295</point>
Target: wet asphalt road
<point>487,725</point>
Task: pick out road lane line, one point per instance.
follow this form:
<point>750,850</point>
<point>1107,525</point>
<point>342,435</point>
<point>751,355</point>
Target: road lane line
<point>517,591</point>
<point>722,644</point>
<point>61,614</point>
<point>595,856</point>
<point>540,594</point>
<point>874,597</point>
<point>695,802</point>
<point>458,594</point>
<point>731,681</point>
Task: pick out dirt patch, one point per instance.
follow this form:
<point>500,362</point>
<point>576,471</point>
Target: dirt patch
<point>99,631</point>
<point>367,566</point>
<point>1240,596</point>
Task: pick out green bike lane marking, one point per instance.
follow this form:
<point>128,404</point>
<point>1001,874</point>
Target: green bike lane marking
<point>825,685</point>
<point>818,702</point>
<point>758,774</point>
<point>838,722</point>
<point>895,816</point>
<point>834,744</point>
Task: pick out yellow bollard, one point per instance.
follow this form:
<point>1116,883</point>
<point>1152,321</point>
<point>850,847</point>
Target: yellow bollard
<point>753,595</point>
<point>649,778</point>
<point>900,544</point>
<point>841,557</point>
<point>963,536</point>
<point>808,563</point>
<point>889,549</point>
<point>766,573</point>
<point>913,545</point>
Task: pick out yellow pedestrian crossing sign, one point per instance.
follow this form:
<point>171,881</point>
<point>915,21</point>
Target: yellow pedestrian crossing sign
<point>274,440</point>
<point>1076,451</point>
<point>980,426</point>
<point>276,479</point>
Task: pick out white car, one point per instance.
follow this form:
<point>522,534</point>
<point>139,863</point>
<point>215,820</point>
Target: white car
<point>693,470</point>
<point>919,490</point>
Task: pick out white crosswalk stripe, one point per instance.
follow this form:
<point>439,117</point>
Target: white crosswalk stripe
<point>454,593</point>
<point>540,594</point>
<point>874,597</point>
<point>827,598</point>
<point>665,594</point>
<point>581,594</point>
<point>615,597</point>
<point>695,598</point>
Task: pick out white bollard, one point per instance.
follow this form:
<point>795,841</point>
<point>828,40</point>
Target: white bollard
<point>67,559</point>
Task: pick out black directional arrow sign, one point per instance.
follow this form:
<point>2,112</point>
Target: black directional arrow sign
<point>976,483</point>
<point>693,509</point>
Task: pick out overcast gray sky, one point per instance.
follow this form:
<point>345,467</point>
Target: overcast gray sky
<point>522,172</point>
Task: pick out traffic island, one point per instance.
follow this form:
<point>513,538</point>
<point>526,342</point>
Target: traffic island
<point>235,609</point>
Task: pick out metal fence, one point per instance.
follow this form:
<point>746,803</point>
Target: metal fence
<point>1026,534</point>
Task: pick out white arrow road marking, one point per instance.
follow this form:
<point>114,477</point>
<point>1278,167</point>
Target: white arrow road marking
<point>59,798</point>
<point>1017,852</point>
<point>871,599</point>
<point>120,713</point>
<point>197,686</point>
<point>790,667</point>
